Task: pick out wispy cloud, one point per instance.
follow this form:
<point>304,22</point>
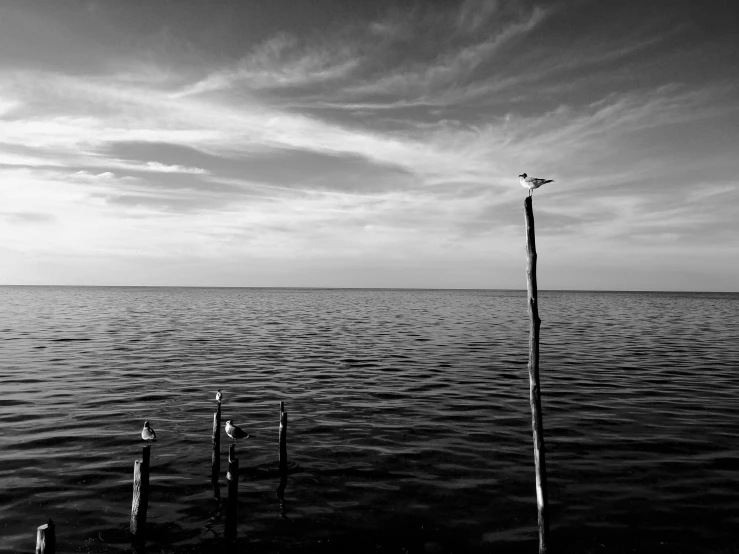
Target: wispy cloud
<point>156,167</point>
<point>280,62</point>
<point>28,217</point>
<point>448,68</point>
<point>475,13</point>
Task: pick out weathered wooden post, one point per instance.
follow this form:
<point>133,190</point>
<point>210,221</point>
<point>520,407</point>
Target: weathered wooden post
<point>140,503</point>
<point>46,538</point>
<point>283,440</point>
<point>233,492</point>
<point>215,464</point>
<point>534,388</point>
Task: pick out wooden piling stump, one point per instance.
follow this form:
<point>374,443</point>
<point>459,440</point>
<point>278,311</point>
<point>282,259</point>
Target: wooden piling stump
<point>283,440</point>
<point>46,538</point>
<point>215,465</point>
<point>140,504</point>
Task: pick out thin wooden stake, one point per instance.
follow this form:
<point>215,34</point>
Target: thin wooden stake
<point>233,492</point>
<point>215,463</point>
<point>46,538</point>
<point>140,503</point>
<point>534,388</point>
<point>283,440</point>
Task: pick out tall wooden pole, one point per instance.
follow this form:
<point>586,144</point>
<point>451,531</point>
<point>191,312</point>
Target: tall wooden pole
<point>534,388</point>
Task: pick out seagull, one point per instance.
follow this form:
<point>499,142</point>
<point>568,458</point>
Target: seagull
<point>532,183</point>
<point>219,396</point>
<point>147,433</point>
<point>235,432</point>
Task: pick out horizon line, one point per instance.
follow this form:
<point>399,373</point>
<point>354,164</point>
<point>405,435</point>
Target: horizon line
<point>372,288</point>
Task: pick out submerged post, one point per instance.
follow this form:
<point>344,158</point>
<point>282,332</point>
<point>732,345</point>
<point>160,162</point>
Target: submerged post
<point>46,538</point>
<point>233,492</point>
<point>534,388</point>
<point>140,503</point>
<point>215,463</point>
<point>283,440</point>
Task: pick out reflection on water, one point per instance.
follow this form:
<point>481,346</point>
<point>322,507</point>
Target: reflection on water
<point>216,490</point>
<point>215,520</point>
<point>409,418</point>
<point>281,495</point>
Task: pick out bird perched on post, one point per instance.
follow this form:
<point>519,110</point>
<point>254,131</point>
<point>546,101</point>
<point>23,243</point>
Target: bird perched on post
<point>235,432</point>
<point>147,433</point>
<point>532,183</point>
<point>219,396</point>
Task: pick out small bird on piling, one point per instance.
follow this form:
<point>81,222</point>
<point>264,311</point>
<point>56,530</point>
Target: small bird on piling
<point>148,433</point>
<point>219,396</point>
<point>235,432</point>
<point>532,183</point>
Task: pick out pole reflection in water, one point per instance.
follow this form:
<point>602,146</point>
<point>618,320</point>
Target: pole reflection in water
<point>232,503</point>
<point>281,495</point>
<point>216,515</point>
<point>138,546</point>
<point>216,491</point>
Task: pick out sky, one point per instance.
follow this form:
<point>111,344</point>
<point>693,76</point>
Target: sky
<point>370,143</point>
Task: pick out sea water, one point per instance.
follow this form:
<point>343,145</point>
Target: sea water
<point>409,421</point>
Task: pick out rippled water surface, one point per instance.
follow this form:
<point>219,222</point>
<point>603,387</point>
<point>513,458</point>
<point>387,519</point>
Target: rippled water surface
<point>409,428</point>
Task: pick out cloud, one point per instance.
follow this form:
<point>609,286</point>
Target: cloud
<point>7,107</point>
<point>473,14</point>
<point>446,69</point>
<point>28,217</point>
<point>262,136</point>
<point>163,168</point>
<point>279,62</point>
<point>87,176</point>
<point>413,61</point>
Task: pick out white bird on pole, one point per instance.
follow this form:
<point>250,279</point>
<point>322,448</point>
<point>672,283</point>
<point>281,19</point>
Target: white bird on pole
<point>148,433</point>
<point>219,396</point>
<point>235,432</point>
<point>532,183</point>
